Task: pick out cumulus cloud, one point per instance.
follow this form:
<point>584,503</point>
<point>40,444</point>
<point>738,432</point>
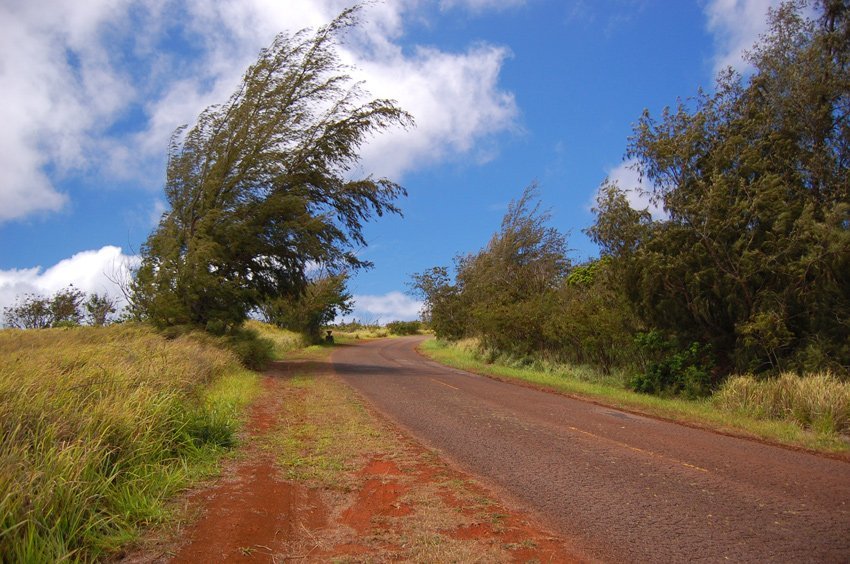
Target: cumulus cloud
<point>393,306</point>
<point>99,86</point>
<point>90,271</point>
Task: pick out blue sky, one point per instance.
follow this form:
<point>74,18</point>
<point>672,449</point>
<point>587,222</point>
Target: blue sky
<point>504,93</point>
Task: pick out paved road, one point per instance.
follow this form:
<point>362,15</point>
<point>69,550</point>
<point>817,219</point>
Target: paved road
<point>618,486</point>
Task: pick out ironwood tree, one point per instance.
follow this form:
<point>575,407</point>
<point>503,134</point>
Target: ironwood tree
<point>753,257</point>
<point>260,187</point>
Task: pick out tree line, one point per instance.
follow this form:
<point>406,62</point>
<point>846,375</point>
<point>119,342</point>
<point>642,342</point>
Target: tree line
<point>748,270</point>
<point>68,307</point>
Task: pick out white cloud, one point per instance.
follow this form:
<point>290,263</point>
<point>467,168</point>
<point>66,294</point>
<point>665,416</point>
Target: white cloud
<point>393,306</point>
<point>55,88</point>
<point>91,271</point>
<point>71,71</point>
<point>635,188</point>
<point>736,26</point>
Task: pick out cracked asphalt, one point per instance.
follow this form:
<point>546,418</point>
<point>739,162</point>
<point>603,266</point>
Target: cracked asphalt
<point>616,486</point>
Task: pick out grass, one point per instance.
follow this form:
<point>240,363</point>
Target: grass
<point>326,438</point>
<point>818,401</point>
<point>325,434</point>
<point>585,382</point>
<point>100,426</point>
<point>283,341</point>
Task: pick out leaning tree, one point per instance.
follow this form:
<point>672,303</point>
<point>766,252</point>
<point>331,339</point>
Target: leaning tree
<point>261,187</point>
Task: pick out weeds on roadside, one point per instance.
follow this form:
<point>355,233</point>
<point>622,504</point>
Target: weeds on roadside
<point>98,426</point>
<point>817,401</point>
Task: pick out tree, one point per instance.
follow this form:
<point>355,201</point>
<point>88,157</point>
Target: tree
<point>29,312</point>
<point>259,188</point>
<point>37,312</point>
<point>98,309</point>
<point>324,299</point>
<point>443,308</point>
<point>504,293</point>
<point>65,307</point>
<point>754,257</point>
<point>512,282</point>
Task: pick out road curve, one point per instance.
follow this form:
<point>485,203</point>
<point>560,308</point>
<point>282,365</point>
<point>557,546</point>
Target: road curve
<point>620,487</point>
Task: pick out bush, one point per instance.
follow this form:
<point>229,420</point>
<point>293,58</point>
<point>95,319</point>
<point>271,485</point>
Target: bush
<point>404,327</point>
<point>253,351</point>
<point>671,370</point>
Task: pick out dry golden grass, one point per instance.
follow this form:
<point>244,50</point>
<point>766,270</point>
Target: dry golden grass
<point>817,401</point>
<point>99,426</point>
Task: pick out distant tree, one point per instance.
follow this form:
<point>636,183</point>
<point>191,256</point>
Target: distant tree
<point>65,307</point>
<point>29,312</point>
<point>98,309</point>
<point>443,308</point>
<point>37,312</point>
<point>324,299</point>
<point>261,187</point>
<point>504,293</point>
<point>512,282</point>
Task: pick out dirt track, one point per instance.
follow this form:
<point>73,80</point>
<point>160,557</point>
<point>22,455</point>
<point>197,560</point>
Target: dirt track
<point>618,486</point>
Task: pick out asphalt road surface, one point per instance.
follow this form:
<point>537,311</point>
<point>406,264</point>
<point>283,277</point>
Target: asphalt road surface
<point>618,487</point>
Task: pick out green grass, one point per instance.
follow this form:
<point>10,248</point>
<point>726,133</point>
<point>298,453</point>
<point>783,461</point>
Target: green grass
<point>587,383</point>
<point>284,341</point>
<point>100,427</point>
<point>324,432</point>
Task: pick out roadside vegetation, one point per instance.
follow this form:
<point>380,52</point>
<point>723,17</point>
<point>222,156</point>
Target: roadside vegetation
<point>735,294</point>
<point>101,424</point>
<point>100,427</point>
<point>809,412</point>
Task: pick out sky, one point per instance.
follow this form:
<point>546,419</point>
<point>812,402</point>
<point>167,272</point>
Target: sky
<point>504,93</point>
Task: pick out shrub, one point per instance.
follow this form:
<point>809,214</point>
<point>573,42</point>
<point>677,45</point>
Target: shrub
<point>671,370</point>
<point>404,327</point>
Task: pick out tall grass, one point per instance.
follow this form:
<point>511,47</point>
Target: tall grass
<point>98,426</point>
<point>817,401</point>
<point>283,340</point>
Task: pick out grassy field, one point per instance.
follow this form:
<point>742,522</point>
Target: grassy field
<point>814,414</point>
<point>100,426</point>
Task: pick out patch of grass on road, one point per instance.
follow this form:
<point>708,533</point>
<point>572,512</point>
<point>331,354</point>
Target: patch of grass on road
<point>325,433</point>
<point>703,413</point>
<point>387,498</point>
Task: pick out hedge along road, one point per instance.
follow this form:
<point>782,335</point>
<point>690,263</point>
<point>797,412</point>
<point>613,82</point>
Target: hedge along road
<point>618,487</point>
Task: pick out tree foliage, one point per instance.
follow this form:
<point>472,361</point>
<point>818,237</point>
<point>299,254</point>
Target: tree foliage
<point>324,299</point>
<point>501,294</point>
<point>259,187</point>
<point>754,257</point>
<point>67,307</point>
<point>748,271</point>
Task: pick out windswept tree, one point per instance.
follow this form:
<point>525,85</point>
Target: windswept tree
<point>260,187</point>
<point>754,256</point>
<point>504,293</point>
